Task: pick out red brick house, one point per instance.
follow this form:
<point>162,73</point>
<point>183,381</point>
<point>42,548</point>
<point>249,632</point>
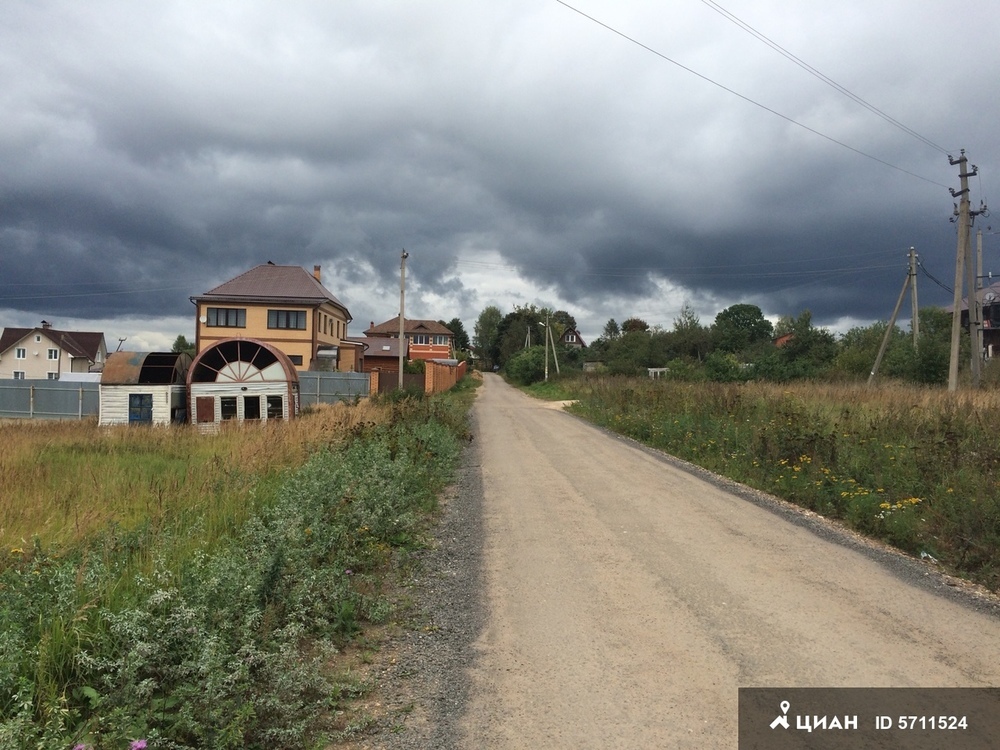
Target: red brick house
<point>426,339</point>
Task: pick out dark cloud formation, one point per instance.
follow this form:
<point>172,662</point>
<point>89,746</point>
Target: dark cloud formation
<point>521,152</point>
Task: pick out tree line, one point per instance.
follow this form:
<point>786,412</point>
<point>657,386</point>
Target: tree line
<point>740,344</point>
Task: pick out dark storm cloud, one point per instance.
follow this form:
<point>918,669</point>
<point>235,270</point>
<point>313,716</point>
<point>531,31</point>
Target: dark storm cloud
<point>151,152</point>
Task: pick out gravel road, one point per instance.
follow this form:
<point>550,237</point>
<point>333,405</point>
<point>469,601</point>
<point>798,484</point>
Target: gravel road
<point>589,593</point>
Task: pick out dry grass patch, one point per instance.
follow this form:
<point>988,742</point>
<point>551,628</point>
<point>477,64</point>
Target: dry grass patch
<point>64,481</point>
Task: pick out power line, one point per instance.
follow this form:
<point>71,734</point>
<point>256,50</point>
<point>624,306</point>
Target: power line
<point>747,99</point>
<point>937,281</point>
<point>824,78</point>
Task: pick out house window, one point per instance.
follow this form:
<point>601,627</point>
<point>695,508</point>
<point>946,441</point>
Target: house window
<point>418,338</point>
<point>571,337</point>
<point>53,375</point>
<point>140,408</point>
<point>20,353</point>
<point>296,359</point>
<point>53,354</point>
<point>251,407</point>
<point>295,319</point>
<point>227,405</point>
<point>226,317</point>
<point>18,374</point>
<point>440,341</point>
<point>38,339</point>
<point>275,407</point>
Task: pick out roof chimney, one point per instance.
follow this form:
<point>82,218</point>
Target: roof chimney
<point>316,272</point>
<point>46,324</point>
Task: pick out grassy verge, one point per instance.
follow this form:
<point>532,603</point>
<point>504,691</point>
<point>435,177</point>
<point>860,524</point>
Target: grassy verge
<point>202,599</point>
<point>917,468</point>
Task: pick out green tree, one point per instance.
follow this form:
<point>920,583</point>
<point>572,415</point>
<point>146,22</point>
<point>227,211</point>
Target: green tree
<point>611,330</point>
<point>182,346</point>
<point>517,330</point>
<point>629,354</point>
<point>741,328</point>
<point>486,336</point>
<point>808,353</point>
<point>859,347</point>
<point>691,338</point>
<point>526,366</point>
<point>934,347</point>
<point>724,367</point>
<point>461,337</point>
<point>634,324</point>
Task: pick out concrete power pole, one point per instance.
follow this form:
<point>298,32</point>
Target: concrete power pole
<point>979,297</point>
<point>914,307</point>
<point>546,346</point>
<point>402,312</point>
<point>963,267</point>
<point>910,278</point>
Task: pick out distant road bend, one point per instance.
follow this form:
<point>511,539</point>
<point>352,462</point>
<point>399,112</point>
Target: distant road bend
<point>627,599</point>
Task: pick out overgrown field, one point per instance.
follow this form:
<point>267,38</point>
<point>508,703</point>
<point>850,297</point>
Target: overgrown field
<point>918,468</point>
<point>191,591</point>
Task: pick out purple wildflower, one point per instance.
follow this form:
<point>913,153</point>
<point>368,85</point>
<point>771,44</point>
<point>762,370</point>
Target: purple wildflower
<point>138,745</point>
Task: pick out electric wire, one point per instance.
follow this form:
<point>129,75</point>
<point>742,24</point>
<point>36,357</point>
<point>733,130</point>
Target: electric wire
<point>747,99</point>
<point>821,76</point>
<point>937,281</point>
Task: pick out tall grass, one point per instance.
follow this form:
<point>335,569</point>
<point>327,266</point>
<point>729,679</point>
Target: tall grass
<point>193,591</point>
<point>916,467</point>
<point>63,481</point>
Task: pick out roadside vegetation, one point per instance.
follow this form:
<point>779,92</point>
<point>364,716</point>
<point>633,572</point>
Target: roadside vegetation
<point>913,466</point>
<point>741,345</point>
<point>163,587</point>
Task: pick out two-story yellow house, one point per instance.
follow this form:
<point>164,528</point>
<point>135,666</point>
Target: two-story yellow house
<point>284,306</point>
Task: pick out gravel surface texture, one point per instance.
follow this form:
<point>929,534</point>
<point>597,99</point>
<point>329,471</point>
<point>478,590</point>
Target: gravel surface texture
<point>423,673</point>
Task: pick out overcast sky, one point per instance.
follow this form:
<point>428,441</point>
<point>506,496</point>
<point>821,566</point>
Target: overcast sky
<point>612,158</point>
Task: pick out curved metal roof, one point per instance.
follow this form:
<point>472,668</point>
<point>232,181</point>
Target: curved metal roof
<point>146,368</point>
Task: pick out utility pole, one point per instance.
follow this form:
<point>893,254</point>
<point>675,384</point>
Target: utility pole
<point>914,307</point>
<point>546,346</point>
<point>979,296</point>
<point>910,279</point>
<point>402,312</point>
<point>963,267</point>
<point>555,357</point>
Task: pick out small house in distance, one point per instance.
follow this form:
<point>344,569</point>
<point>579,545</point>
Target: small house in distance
<point>572,339</point>
<point>46,353</point>
<point>144,388</point>
<point>425,339</point>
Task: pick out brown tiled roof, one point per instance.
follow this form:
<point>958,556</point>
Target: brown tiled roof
<point>391,326</point>
<point>78,343</point>
<point>270,283</point>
